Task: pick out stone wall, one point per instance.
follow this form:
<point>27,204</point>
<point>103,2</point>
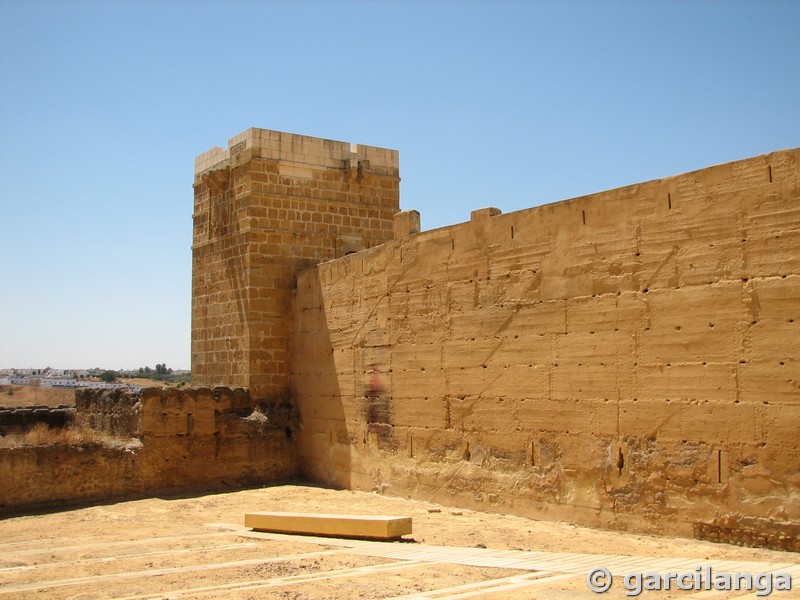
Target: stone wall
<point>269,205</point>
<point>188,439</point>
<point>627,359</point>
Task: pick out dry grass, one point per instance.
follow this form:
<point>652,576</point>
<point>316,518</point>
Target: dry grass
<point>26,395</point>
<point>42,435</point>
<point>142,381</point>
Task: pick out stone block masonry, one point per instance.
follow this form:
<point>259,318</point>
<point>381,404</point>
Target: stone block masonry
<point>270,205</point>
<point>627,359</point>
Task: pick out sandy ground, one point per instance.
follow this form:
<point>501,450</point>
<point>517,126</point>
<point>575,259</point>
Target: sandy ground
<point>175,548</point>
<point>27,395</point>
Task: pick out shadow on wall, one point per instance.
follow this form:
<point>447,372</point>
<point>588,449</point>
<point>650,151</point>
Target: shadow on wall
<point>320,374</point>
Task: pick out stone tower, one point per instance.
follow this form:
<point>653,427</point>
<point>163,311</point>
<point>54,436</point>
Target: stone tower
<point>270,205</point>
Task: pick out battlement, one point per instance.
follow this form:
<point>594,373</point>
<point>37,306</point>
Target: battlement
<point>295,148</point>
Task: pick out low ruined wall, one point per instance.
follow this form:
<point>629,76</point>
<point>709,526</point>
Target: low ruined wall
<point>115,411</point>
<point>20,419</point>
<point>628,359</point>
<point>44,476</point>
<point>188,439</point>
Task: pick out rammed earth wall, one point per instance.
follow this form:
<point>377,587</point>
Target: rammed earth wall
<point>15,419</point>
<point>189,439</point>
<point>628,359</point>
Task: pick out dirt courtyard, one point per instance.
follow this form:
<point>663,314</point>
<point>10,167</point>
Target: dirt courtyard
<point>197,547</point>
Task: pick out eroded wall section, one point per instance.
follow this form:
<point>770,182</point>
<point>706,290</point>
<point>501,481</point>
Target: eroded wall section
<point>162,440</point>
<point>628,359</point>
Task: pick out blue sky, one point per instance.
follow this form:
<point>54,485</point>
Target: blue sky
<point>104,106</point>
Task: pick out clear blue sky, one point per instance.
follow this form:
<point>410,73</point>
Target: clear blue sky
<point>104,106</point>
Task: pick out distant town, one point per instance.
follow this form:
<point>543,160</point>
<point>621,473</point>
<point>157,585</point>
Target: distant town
<point>94,378</point>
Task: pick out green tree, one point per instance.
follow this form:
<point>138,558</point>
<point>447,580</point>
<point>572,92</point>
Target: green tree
<point>108,376</point>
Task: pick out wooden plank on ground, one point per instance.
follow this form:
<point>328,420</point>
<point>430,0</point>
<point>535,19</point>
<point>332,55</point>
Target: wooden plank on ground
<point>347,526</point>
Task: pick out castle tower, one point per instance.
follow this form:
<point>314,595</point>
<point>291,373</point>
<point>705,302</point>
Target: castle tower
<point>270,205</point>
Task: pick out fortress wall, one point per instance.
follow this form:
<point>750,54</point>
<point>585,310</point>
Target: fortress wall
<point>115,411</point>
<point>271,204</point>
<point>628,359</point>
<point>18,419</point>
<point>187,439</point>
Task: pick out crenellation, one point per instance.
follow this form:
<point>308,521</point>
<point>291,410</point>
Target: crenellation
<point>294,152</point>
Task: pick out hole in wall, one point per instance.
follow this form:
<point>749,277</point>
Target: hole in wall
<point>620,461</point>
<point>583,213</point>
<point>769,173</point>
